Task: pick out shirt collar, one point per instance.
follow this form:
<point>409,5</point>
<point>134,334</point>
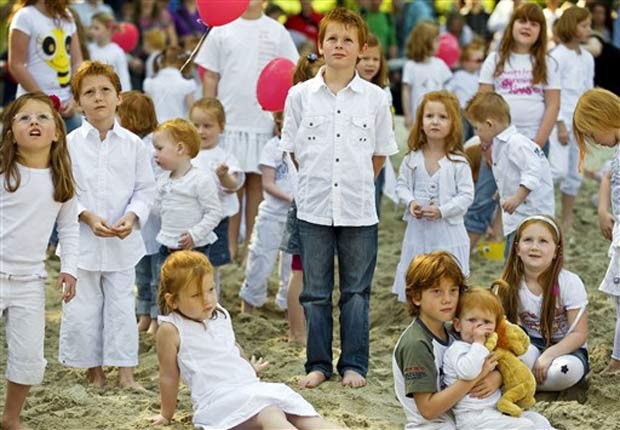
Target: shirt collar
<point>89,129</point>
<point>356,84</point>
<point>505,135</point>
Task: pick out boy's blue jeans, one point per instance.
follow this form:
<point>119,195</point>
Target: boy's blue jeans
<point>357,255</point>
<point>147,276</point>
<point>480,213</point>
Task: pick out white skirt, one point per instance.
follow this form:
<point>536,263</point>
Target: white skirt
<point>423,236</point>
<point>246,146</point>
<point>244,402</point>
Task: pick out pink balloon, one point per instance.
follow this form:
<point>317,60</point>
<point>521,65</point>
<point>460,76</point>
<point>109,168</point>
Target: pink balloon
<point>448,49</point>
<point>126,36</point>
<point>273,84</point>
<point>220,12</point>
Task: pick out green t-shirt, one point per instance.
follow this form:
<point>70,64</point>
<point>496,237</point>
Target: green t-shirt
<point>381,25</point>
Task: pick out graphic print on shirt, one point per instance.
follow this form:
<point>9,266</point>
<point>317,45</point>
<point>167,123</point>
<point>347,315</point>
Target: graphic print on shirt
<point>559,327</point>
<point>519,82</point>
<point>54,50</point>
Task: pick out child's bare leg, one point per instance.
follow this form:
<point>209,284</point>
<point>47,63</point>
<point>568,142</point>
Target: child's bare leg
<point>15,399</point>
<point>613,366</point>
<point>614,361</point>
<point>353,379</point>
<point>473,239</point>
<point>312,379</point>
<point>153,327</point>
<point>312,423</point>
<point>568,203</point>
<point>234,224</point>
<point>126,379</point>
<point>296,317</point>
<point>96,376</point>
<point>246,308</point>
<point>271,417</point>
<point>144,322</point>
<point>253,196</point>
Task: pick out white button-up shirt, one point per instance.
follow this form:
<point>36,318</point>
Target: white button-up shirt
<point>113,177</point>
<point>334,137</point>
<point>519,161</point>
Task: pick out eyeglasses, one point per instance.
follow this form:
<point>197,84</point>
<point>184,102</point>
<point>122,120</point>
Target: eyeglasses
<point>27,118</point>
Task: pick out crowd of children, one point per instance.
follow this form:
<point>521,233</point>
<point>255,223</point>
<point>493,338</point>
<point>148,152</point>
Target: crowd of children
<point>153,189</point>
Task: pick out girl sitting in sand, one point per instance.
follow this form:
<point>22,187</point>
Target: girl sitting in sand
<point>196,340</point>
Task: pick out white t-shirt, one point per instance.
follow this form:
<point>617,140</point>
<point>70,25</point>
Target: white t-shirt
<point>49,53</point>
<point>514,84</point>
<point>464,85</point>
<point>286,179</point>
<point>151,227</point>
<point>168,90</point>
<point>573,295</point>
<point>209,160</point>
<point>238,52</point>
<point>27,218</point>
<point>424,77</point>
<point>113,55</point>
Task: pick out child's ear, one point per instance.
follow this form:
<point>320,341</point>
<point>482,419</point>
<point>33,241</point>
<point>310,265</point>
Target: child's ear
<point>363,49</point>
<point>169,298</point>
<point>180,148</point>
<point>456,324</point>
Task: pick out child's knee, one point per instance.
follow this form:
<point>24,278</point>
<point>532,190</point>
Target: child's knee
<point>530,356</point>
<point>564,372</point>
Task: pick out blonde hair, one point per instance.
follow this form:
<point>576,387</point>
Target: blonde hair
<point>346,18</point>
<point>180,270</point>
<point>106,19</point>
<point>213,107</point>
<point>156,38</point>
<point>426,271</point>
<point>182,131</point>
<point>596,110</point>
<point>93,68</point>
<point>480,298</point>
<point>137,113</point>
<point>454,140</point>
<point>172,56</point>
<point>566,26</point>
<point>421,41</point>
<point>487,105</point>
<point>60,162</point>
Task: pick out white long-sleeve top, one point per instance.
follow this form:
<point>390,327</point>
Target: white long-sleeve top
<point>464,360</point>
<point>113,55</point>
<point>189,204</point>
<point>577,76</point>
<point>519,161</point>
<point>456,186</point>
<point>27,218</point>
<point>113,177</point>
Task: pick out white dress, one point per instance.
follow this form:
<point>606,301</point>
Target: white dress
<point>224,387</point>
<point>422,235</point>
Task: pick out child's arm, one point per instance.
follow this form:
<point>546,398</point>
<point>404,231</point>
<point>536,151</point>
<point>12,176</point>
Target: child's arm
<point>377,164</point>
<point>605,217</point>
<point>405,185</point>
<point>552,107</point>
<point>229,181</point>
<point>209,83</point>
<point>69,237</point>
<point>405,94</point>
<point>189,101</point>
<point>513,202</point>
<point>269,183</point>
<point>212,213</point>
<point>167,350</point>
<point>464,197</point>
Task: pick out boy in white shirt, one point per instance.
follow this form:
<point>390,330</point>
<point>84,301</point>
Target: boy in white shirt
<point>521,170</point>
<point>477,315</point>
<point>339,128</point>
<point>115,189</point>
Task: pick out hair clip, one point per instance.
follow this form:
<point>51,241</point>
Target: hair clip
<point>312,57</point>
<point>55,101</point>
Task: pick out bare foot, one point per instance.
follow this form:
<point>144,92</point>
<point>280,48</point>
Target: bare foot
<point>127,381</point>
<point>299,339</point>
<point>96,377</point>
<point>353,379</point>
<point>153,328</point>
<point>312,379</point>
<point>143,322</point>
<point>13,425</point>
<point>613,367</point>
<point>246,308</point>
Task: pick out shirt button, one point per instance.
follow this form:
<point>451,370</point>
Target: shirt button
<point>338,135</point>
<point>311,124</point>
<point>337,160</point>
<point>338,111</point>
<point>336,184</point>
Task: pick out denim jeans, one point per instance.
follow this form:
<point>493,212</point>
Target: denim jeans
<point>357,256</point>
<point>147,280</point>
<point>480,213</point>
<point>379,185</point>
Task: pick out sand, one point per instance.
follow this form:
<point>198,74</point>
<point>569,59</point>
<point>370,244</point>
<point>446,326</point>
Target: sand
<point>65,402</point>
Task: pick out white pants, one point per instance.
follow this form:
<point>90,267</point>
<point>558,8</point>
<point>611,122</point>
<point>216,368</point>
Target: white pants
<point>98,326</point>
<point>564,161</point>
<point>264,250</point>
<point>22,302</point>
<point>615,354</point>
<point>564,371</point>
<point>492,419</point>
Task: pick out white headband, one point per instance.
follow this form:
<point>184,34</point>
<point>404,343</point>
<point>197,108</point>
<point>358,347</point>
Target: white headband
<point>543,218</point>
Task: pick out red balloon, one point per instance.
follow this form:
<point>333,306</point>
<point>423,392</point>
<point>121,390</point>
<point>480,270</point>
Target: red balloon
<point>448,49</point>
<point>126,36</point>
<point>273,84</point>
<point>220,12</point>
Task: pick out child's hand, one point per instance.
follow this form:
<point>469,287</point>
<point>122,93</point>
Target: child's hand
<point>540,369</point>
<point>124,226</point>
<point>606,223</point>
<point>415,209</point>
<point>159,420</point>
<point>186,241</point>
<point>221,170</point>
<point>489,365</point>
<point>66,284</point>
<point>408,122</point>
<point>563,136</point>
<point>481,332</point>
<point>511,204</point>
<point>431,213</point>
<point>98,225</point>
<point>258,364</point>
<point>486,386</point>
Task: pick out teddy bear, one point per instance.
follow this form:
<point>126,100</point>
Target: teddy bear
<point>507,343</point>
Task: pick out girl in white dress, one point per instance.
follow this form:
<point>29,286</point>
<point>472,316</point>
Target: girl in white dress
<point>436,184</point>
<point>196,341</point>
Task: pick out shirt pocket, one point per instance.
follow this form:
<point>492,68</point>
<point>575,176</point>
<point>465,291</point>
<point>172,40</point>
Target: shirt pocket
<point>312,134</point>
<point>363,134</point>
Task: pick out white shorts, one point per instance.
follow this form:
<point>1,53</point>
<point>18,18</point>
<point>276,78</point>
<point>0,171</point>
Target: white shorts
<point>98,326</point>
<point>487,419</point>
<point>564,161</point>
<point>22,302</point>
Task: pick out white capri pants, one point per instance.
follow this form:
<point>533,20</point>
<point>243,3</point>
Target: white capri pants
<point>22,302</point>
<point>564,161</point>
<point>564,371</point>
<point>263,253</point>
<point>98,326</point>
<point>492,419</point>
